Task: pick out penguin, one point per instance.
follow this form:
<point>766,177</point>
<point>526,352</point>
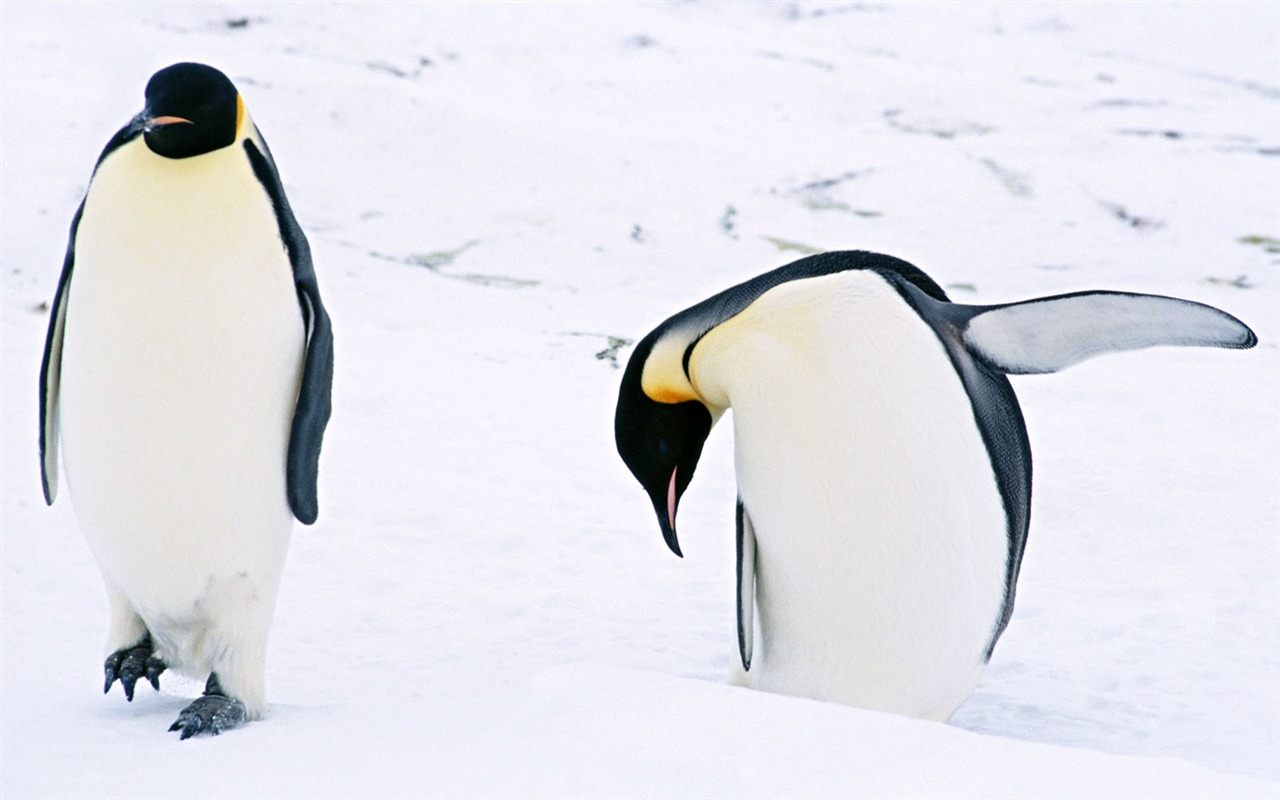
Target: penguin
<point>187,377</point>
<point>883,467</point>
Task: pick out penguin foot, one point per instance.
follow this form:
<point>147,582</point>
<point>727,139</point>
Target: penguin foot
<point>128,664</point>
<point>212,713</point>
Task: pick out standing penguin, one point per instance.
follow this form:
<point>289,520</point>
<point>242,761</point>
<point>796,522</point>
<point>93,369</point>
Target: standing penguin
<point>188,363</point>
<point>883,467</point>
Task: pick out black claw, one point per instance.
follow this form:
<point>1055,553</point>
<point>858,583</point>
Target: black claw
<point>132,668</point>
<point>211,714</point>
<point>154,667</point>
<point>112,669</point>
<point>128,664</point>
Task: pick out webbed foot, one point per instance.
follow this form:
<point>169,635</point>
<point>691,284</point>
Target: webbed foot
<point>128,664</point>
<point>212,713</point>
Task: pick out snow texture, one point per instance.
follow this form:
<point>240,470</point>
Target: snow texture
<point>497,195</point>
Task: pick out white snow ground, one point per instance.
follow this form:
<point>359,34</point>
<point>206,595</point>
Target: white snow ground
<point>486,606</point>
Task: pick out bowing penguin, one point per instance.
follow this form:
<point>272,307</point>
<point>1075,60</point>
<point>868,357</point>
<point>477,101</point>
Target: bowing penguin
<point>883,467</point>
<point>187,370</point>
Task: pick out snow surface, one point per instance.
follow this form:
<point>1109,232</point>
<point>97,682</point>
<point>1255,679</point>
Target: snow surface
<point>491,191</point>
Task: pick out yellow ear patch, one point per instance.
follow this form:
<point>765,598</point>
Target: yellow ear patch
<point>239,113</point>
<point>663,379</point>
<point>667,395</point>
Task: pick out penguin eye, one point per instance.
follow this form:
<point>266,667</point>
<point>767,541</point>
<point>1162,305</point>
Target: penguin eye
<point>663,449</point>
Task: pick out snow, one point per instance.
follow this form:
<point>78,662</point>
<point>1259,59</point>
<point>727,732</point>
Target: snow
<point>486,607</point>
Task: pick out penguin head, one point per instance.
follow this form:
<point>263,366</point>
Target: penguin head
<point>660,426</point>
<point>192,109</point>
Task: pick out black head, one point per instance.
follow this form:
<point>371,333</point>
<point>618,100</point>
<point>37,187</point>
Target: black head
<point>660,442</point>
<point>192,109</point>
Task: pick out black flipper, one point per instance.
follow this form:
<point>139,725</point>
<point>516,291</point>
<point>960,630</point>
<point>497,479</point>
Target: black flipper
<point>746,585</point>
<point>51,370</point>
<point>311,414</point>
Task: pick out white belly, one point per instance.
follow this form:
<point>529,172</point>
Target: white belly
<point>180,370</point>
<point>880,531</point>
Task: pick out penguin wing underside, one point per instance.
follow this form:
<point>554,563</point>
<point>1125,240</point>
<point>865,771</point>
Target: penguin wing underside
<point>746,584</point>
<point>51,370</point>
<point>1050,333</point>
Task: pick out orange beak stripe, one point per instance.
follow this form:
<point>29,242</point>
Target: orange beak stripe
<point>671,499</point>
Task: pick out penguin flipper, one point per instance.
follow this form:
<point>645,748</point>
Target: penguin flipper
<point>51,370</point>
<point>1050,333</point>
<point>746,585</point>
<point>311,414</point>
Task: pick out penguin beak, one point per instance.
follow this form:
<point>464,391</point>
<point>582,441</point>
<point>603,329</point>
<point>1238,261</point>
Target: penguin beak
<point>159,122</point>
<point>667,515</point>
